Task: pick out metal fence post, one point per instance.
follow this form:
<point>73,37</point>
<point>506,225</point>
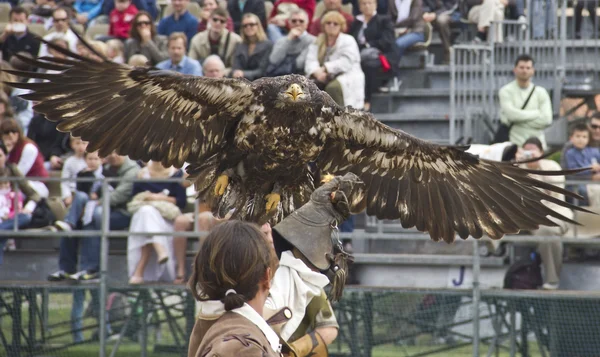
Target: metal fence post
<point>476,297</point>
<point>103,265</point>
<point>452,136</point>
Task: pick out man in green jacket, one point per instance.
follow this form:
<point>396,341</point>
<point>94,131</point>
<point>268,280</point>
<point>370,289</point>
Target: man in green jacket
<point>526,118</point>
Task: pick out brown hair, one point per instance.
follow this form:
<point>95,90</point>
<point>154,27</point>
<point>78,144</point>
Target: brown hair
<point>330,16</point>
<point>10,125</point>
<point>235,255</point>
<point>219,11</point>
<point>133,32</point>
<point>176,36</point>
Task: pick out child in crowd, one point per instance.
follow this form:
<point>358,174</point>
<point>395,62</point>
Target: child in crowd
<point>120,19</point>
<point>8,210</point>
<point>138,61</point>
<point>73,165</point>
<point>582,156</point>
<point>115,50</point>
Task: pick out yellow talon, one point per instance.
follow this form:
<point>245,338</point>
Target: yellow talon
<point>272,200</point>
<point>326,178</point>
<point>221,185</point>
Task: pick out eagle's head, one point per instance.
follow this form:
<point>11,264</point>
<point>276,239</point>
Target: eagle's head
<point>291,91</point>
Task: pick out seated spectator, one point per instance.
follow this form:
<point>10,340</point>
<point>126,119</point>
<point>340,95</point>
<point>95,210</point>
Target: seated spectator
<point>15,37</point>
<point>237,9</point>
<point>73,166</point>
<point>60,30</point>
<point>213,67</point>
<point>251,56</point>
<point>524,107</point>
<point>150,258</point>
<point>330,5</point>
<point>180,21</point>
<point>289,52</point>
<point>117,166</point>
<point>439,14</point>
<point>87,10</point>
<point>42,12</point>
<point>24,153</point>
<point>374,34</point>
<point>550,252</point>
<point>138,61</point>
<point>32,197</point>
<point>594,141</point>
<point>482,13</point>
<point>580,155</point>
<point>280,16</point>
<point>178,61</point>
<point>216,40</point>
<point>115,50</point>
<point>333,62</point>
<point>53,144</point>
<point>22,109</point>
<point>148,6</point>
<point>207,8</point>
<point>591,6</point>
<point>408,23</point>
<point>6,111</point>
<point>144,40</point>
<point>121,18</point>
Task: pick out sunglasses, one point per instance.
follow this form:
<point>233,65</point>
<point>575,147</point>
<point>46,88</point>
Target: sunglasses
<point>216,19</point>
<point>297,21</point>
<point>595,127</point>
<point>247,26</point>
<point>329,23</point>
<point>143,23</point>
<point>61,20</point>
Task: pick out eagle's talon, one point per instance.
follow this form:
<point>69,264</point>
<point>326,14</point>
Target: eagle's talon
<point>272,200</point>
<point>221,185</point>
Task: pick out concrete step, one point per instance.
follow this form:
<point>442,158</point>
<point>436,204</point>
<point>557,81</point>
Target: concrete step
<point>428,126</point>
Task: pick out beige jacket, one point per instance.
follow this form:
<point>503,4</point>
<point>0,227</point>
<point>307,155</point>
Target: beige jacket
<point>200,47</point>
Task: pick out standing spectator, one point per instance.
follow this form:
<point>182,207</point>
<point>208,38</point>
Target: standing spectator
<point>551,252</point>
<point>73,165</point>
<point>408,22</point>
<point>15,37</point>
<point>52,143</point>
<point>374,34</point>
<point>23,218</point>
<point>531,120</point>
<point>121,18</point>
<point>180,21</point>
<point>439,14</point>
<point>144,40</point>
<point>281,14</point>
<point>213,67</point>
<point>579,156</point>
<point>150,258</point>
<point>87,10</point>
<point>238,8</point>
<point>330,5</point>
<point>591,6</point>
<point>178,61</point>
<point>22,109</point>
<point>208,6</point>
<point>334,63</point>
<point>61,30</point>
<point>216,41</point>
<point>24,153</point>
<point>148,6</point>
<point>251,56</point>
<point>289,53</point>
<point>482,13</point>
<point>543,18</point>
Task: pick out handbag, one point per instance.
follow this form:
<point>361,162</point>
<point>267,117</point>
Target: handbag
<point>503,133</point>
<point>42,216</point>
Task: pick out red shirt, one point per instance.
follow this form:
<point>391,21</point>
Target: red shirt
<point>315,27</point>
<point>38,169</point>
<point>120,22</point>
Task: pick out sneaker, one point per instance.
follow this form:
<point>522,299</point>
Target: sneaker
<point>60,275</point>
<point>550,286</point>
<point>63,226</point>
<point>85,275</point>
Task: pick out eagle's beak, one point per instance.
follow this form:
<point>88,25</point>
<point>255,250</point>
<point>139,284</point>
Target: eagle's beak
<point>295,92</point>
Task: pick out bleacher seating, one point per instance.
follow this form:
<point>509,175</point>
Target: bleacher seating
<point>4,11</point>
<point>97,30</point>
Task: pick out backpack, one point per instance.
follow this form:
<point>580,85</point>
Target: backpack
<point>525,274</point>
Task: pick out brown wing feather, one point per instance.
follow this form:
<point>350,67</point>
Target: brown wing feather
<point>442,190</point>
<point>145,113</point>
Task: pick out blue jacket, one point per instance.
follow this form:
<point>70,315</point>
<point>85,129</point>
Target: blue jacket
<point>187,24</point>
<point>93,8</point>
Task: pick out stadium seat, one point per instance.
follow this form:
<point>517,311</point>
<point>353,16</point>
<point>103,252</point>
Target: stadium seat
<point>590,224</point>
<point>4,10</point>
<point>97,30</point>
<point>78,28</point>
<point>37,29</point>
<point>320,9</point>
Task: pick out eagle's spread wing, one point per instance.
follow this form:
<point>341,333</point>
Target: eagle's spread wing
<point>442,190</point>
<point>145,113</point>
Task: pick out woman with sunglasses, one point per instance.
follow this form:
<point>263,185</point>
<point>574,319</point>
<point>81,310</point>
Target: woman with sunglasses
<point>251,57</point>
<point>144,40</point>
<point>333,62</point>
<point>207,8</point>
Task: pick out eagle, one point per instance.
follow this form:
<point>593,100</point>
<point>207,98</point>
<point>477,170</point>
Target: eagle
<point>253,148</point>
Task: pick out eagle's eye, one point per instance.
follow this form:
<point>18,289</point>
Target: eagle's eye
<point>295,92</point>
